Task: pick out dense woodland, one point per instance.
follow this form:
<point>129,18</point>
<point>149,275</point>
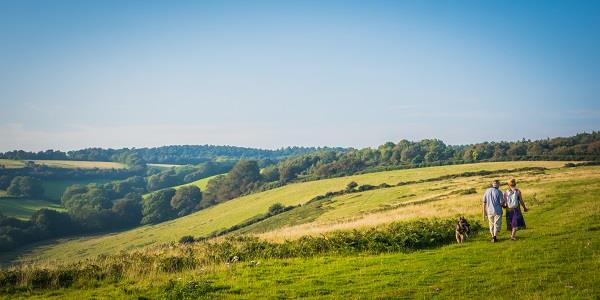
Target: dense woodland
<point>182,154</point>
<point>119,204</point>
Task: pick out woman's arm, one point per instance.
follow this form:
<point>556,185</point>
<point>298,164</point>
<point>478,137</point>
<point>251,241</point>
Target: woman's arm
<point>521,201</point>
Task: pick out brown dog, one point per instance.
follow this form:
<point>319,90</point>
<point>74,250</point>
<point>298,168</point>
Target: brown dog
<point>462,230</point>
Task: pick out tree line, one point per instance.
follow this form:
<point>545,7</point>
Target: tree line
<point>177,154</point>
<point>119,204</point>
<point>431,152</point>
<point>248,177</point>
<point>104,207</point>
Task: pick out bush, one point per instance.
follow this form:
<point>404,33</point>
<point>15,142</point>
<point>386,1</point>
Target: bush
<point>276,208</point>
<point>366,187</point>
<point>351,186</point>
<point>173,264</point>
<point>186,239</point>
<point>190,290</point>
<point>40,279</point>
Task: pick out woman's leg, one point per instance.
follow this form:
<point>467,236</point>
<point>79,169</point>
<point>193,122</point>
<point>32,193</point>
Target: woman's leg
<point>515,223</point>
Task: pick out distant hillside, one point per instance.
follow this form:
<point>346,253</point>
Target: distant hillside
<point>176,154</point>
<point>68,164</point>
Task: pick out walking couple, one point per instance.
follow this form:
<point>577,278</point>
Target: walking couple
<point>493,202</point>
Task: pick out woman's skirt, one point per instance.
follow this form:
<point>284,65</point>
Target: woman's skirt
<point>514,219</point>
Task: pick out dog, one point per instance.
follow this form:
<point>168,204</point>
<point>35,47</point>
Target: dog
<point>462,230</point>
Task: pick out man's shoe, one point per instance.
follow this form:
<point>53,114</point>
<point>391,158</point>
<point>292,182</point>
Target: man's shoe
<point>494,240</point>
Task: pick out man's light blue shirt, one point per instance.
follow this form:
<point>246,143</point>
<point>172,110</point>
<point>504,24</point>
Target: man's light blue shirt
<point>493,199</point>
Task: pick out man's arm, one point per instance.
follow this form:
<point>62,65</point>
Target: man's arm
<point>483,205</point>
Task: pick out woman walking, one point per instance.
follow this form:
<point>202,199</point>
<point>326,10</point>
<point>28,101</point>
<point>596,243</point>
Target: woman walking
<point>514,201</point>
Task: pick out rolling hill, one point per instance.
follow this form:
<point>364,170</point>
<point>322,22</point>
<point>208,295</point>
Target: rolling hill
<point>555,257</point>
<point>9,163</point>
<point>23,208</point>
<point>363,209</point>
<point>200,183</point>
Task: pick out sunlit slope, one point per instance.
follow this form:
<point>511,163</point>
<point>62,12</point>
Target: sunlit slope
<point>235,211</point>
<point>24,208</point>
<point>438,199</point>
<point>200,183</point>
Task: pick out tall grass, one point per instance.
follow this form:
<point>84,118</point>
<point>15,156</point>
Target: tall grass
<point>172,257</point>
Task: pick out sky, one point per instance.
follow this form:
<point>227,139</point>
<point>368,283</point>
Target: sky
<point>270,74</point>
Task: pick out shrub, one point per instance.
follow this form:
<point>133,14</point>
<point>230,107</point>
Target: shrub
<point>40,278</point>
<point>173,264</point>
<point>366,187</point>
<point>351,186</point>
<point>276,208</point>
<point>64,278</point>
<point>186,239</point>
<point>190,290</point>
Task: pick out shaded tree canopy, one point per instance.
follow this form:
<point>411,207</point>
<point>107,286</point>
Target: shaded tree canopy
<point>25,186</point>
<point>186,200</point>
<point>157,207</point>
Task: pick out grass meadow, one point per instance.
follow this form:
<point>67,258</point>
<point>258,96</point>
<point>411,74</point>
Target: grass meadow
<point>163,166</point>
<point>236,211</point>
<point>10,163</point>
<point>23,208</point>
<point>200,183</point>
<point>557,256</point>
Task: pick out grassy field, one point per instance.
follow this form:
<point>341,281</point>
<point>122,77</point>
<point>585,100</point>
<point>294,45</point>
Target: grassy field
<point>557,256</point>
<point>53,189</point>
<point>238,210</point>
<point>201,184</point>
<point>9,163</point>
<point>163,166</point>
<point>24,208</point>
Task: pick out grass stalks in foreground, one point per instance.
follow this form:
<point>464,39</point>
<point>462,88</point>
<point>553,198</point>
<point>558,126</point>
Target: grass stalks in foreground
<point>172,258</point>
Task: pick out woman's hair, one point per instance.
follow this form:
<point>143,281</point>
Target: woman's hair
<point>512,182</point>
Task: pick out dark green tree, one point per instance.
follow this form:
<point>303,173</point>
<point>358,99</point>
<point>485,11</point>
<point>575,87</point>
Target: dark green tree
<point>128,210</point>
<point>186,200</point>
<point>5,181</point>
<point>52,223</point>
<point>157,208</point>
<point>25,186</point>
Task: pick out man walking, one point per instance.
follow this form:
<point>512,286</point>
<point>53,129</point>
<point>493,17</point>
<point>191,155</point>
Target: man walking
<point>493,200</point>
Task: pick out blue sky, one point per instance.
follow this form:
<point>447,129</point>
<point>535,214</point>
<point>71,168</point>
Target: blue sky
<point>267,74</point>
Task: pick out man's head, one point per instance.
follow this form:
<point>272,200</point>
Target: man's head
<point>512,183</point>
<point>496,183</point>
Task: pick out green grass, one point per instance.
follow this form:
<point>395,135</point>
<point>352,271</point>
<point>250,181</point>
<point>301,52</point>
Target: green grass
<point>200,183</point>
<point>53,189</point>
<point>24,208</point>
<point>163,166</point>
<point>227,214</point>
<point>556,257</point>
<point>9,163</point>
